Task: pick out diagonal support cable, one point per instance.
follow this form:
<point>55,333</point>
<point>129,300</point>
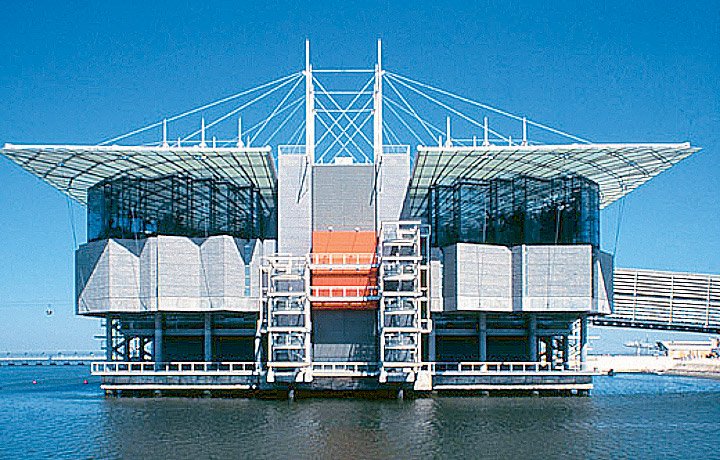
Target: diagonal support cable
<point>455,111</point>
<point>343,130</point>
<point>410,108</point>
<point>343,112</point>
<point>275,110</point>
<point>238,109</point>
<point>199,109</point>
<point>490,108</point>
<point>407,126</point>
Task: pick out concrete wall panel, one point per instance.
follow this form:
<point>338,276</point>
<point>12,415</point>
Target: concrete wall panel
<point>393,178</point>
<point>559,278</point>
<point>554,278</point>
<point>170,273</point>
<point>294,204</point>
<point>344,197</point>
<point>477,277</point>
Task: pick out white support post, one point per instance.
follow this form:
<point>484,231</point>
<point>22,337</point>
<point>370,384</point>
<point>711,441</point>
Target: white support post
<point>482,337</point>
<point>486,131</point>
<point>524,138</point>
<point>378,106</point>
<point>164,134</point>
<point>583,338</point>
<point>239,139</point>
<point>309,107</point>
<point>202,133</point>
<point>448,139</point>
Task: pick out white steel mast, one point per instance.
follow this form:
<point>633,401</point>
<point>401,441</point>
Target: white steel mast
<point>309,107</point>
<point>377,106</point>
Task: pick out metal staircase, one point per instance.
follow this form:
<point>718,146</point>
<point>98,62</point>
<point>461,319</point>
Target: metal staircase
<point>403,315</point>
<point>286,319</point>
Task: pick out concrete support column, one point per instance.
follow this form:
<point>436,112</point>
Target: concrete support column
<point>126,348</point>
<point>158,340</point>
<point>108,338</point>
<point>583,338</point>
<point>532,338</point>
<point>482,336</point>
<point>258,345</point>
<point>208,337</point>
<point>432,354</point>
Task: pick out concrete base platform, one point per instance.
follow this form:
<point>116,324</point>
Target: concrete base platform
<point>257,386</point>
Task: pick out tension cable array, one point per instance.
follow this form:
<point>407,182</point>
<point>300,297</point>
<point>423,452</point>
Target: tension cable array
<point>343,116</point>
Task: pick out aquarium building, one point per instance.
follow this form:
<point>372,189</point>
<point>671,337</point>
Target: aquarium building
<point>454,265</point>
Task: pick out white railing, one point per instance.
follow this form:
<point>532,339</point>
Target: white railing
<point>343,292</point>
<point>320,258</point>
<point>396,149</point>
<point>470,368</point>
<point>329,368</point>
<point>292,150</point>
<point>345,369</point>
<point>172,368</point>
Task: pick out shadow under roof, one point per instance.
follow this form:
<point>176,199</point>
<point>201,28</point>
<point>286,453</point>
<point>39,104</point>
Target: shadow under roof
<point>618,169</point>
<point>73,169</point>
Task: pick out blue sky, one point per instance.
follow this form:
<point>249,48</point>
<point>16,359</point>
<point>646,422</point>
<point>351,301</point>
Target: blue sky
<point>80,72</point>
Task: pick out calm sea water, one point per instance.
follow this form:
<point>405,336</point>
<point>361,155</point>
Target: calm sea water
<point>627,417</point>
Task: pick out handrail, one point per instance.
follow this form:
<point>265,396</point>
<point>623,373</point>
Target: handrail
<point>440,368</point>
<point>328,368</point>
<point>149,367</point>
<point>343,258</point>
<point>396,149</point>
<point>342,368</point>
<point>340,292</point>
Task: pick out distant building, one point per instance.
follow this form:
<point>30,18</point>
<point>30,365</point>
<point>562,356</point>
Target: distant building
<point>687,349</point>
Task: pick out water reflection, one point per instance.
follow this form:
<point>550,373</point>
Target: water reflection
<point>631,416</point>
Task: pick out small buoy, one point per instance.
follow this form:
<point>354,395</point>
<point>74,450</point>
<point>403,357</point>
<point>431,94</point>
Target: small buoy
<point>34,382</point>
<point>85,382</point>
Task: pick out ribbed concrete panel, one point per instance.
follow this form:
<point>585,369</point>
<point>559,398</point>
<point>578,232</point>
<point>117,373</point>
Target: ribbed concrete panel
<point>214,263</point>
<point>344,197</point>
<point>393,179</point>
<point>149,274</point>
<point>167,273</point>
<point>92,285</point>
<point>124,275</point>
<point>294,204</point>
<point>178,274</point>
<point>553,278</point>
<point>436,286</point>
<point>603,267</point>
<point>562,278</point>
<point>477,277</point>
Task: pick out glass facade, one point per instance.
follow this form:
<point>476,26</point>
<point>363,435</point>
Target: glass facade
<point>176,205</point>
<point>521,210</point>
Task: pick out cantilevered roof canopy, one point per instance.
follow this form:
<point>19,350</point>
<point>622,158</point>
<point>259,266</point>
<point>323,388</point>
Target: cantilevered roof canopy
<point>72,169</point>
<point>617,168</point>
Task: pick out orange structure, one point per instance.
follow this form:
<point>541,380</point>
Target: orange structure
<point>344,270</point>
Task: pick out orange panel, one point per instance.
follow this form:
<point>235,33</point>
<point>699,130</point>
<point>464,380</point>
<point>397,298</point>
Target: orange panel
<point>332,283</point>
<point>325,279</point>
<point>344,242</point>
